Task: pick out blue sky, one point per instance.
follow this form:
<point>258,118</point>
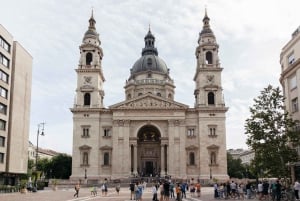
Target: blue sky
<point>250,34</point>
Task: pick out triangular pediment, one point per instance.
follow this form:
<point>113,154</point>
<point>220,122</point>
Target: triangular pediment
<point>148,101</point>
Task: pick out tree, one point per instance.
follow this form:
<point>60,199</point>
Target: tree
<point>235,168</point>
<point>60,167</point>
<point>271,134</point>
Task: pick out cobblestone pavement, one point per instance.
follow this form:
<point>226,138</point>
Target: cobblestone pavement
<point>85,195</point>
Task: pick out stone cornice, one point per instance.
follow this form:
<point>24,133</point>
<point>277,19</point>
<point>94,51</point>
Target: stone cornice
<point>90,110</point>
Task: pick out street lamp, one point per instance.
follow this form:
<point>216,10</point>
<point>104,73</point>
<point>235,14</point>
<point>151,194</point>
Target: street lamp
<point>40,131</point>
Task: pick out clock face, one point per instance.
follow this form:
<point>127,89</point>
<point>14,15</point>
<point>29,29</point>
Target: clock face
<point>87,80</point>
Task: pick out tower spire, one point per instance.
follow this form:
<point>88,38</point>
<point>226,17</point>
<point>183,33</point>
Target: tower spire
<point>92,21</point>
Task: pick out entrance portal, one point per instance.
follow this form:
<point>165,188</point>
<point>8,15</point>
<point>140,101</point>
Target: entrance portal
<point>148,151</point>
<point>149,168</point>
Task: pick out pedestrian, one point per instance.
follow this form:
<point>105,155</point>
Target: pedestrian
<point>198,189</point>
<point>166,191</point>
<point>131,188</point>
<point>154,193</point>
<point>296,189</point>
<point>278,190</point>
<point>265,191</point>
<point>77,187</point>
<point>118,188</point>
<point>178,192</point>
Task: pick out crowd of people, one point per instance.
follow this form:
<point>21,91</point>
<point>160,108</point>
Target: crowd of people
<point>263,190</point>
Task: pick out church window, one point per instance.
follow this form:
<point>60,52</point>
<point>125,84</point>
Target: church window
<point>213,160</point>
<point>85,131</point>
<point>170,96</point>
<point>211,98</point>
<point>190,132</point>
<point>85,159</point>
<point>159,94</point>
<point>149,62</point>
<point>89,58</point>
<point>140,94</point>
<point>106,158</point>
<point>209,57</point>
<point>192,158</point>
<point>212,131</point>
<point>107,132</point>
<point>87,99</point>
<point>295,105</point>
<point>129,96</point>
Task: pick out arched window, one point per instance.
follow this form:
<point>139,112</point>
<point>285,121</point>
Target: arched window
<point>170,96</point>
<point>85,158</point>
<point>213,158</point>
<point>158,94</point>
<point>209,57</point>
<point>129,96</point>
<point>87,99</point>
<point>192,158</point>
<point>89,58</point>
<point>106,158</point>
<point>211,98</point>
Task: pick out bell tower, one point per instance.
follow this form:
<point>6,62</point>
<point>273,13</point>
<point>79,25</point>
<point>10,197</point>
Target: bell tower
<point>208,92</point>
<point>90,78</point>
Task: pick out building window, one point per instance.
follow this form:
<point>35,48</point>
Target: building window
<point>4,60</point>
<point>209,57</point>
<point>190,132</point>
<point>213,160</point>
<point>3,92</point>
<point>192,158</point>
<point>295,105</point>
<point>140,94</point>
<point>1,157</point>
<point>85,159</point>
<point>3,108</point>
<point>106,158</point>
<point>158,94</point>
<point>87,99</point>
<point>211,98</point>
<point>212,131</point>
<point>291,58</point>
<point>3,76</point>
<point>293,82</point>
<point>89,58</point>
<point>107,132</point>
<point>2,141</point>
<point>85,131</point>
<point>2,125</point>
<point>4,44</point>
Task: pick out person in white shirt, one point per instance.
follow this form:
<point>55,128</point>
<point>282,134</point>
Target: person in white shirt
<point>296,189</point>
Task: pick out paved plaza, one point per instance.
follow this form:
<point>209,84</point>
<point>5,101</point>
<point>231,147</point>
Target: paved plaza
<point>85,195</point>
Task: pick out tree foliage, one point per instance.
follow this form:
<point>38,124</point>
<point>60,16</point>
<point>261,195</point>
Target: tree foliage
<point>271,134</point>
<point>235,168</point>
<point>61,166</point>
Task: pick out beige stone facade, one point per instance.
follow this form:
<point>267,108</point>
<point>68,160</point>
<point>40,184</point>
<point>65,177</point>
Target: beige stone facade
<point>149,133</point>
<point>15,97</point>
<point>290,81</point>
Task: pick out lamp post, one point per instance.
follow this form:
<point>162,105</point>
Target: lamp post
<point>40,131</point>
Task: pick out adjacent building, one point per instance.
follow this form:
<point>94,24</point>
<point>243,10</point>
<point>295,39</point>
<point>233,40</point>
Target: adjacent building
<point>290,81</point>
<point>149,133</point>
<point>42,153</point>
<point>15,97</point>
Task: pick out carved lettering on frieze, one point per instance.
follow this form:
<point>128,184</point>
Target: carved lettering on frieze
<point>149,103</point>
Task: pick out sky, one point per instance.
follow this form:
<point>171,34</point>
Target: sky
<point>250,35</point>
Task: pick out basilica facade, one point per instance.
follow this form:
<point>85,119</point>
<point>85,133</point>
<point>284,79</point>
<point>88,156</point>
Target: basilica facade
<point>149,133</point>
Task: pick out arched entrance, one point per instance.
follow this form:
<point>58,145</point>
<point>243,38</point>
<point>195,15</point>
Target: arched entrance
<point>148,151</point>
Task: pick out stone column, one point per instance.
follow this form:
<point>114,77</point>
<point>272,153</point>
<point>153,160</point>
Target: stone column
<point>135,159</point>
<point>162,160</point>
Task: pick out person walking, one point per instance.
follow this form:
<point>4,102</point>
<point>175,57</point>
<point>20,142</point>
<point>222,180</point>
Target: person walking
<point>131,188</point>
<point>296,189</point>
<point>77,187</point>
<point>154,193</point>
